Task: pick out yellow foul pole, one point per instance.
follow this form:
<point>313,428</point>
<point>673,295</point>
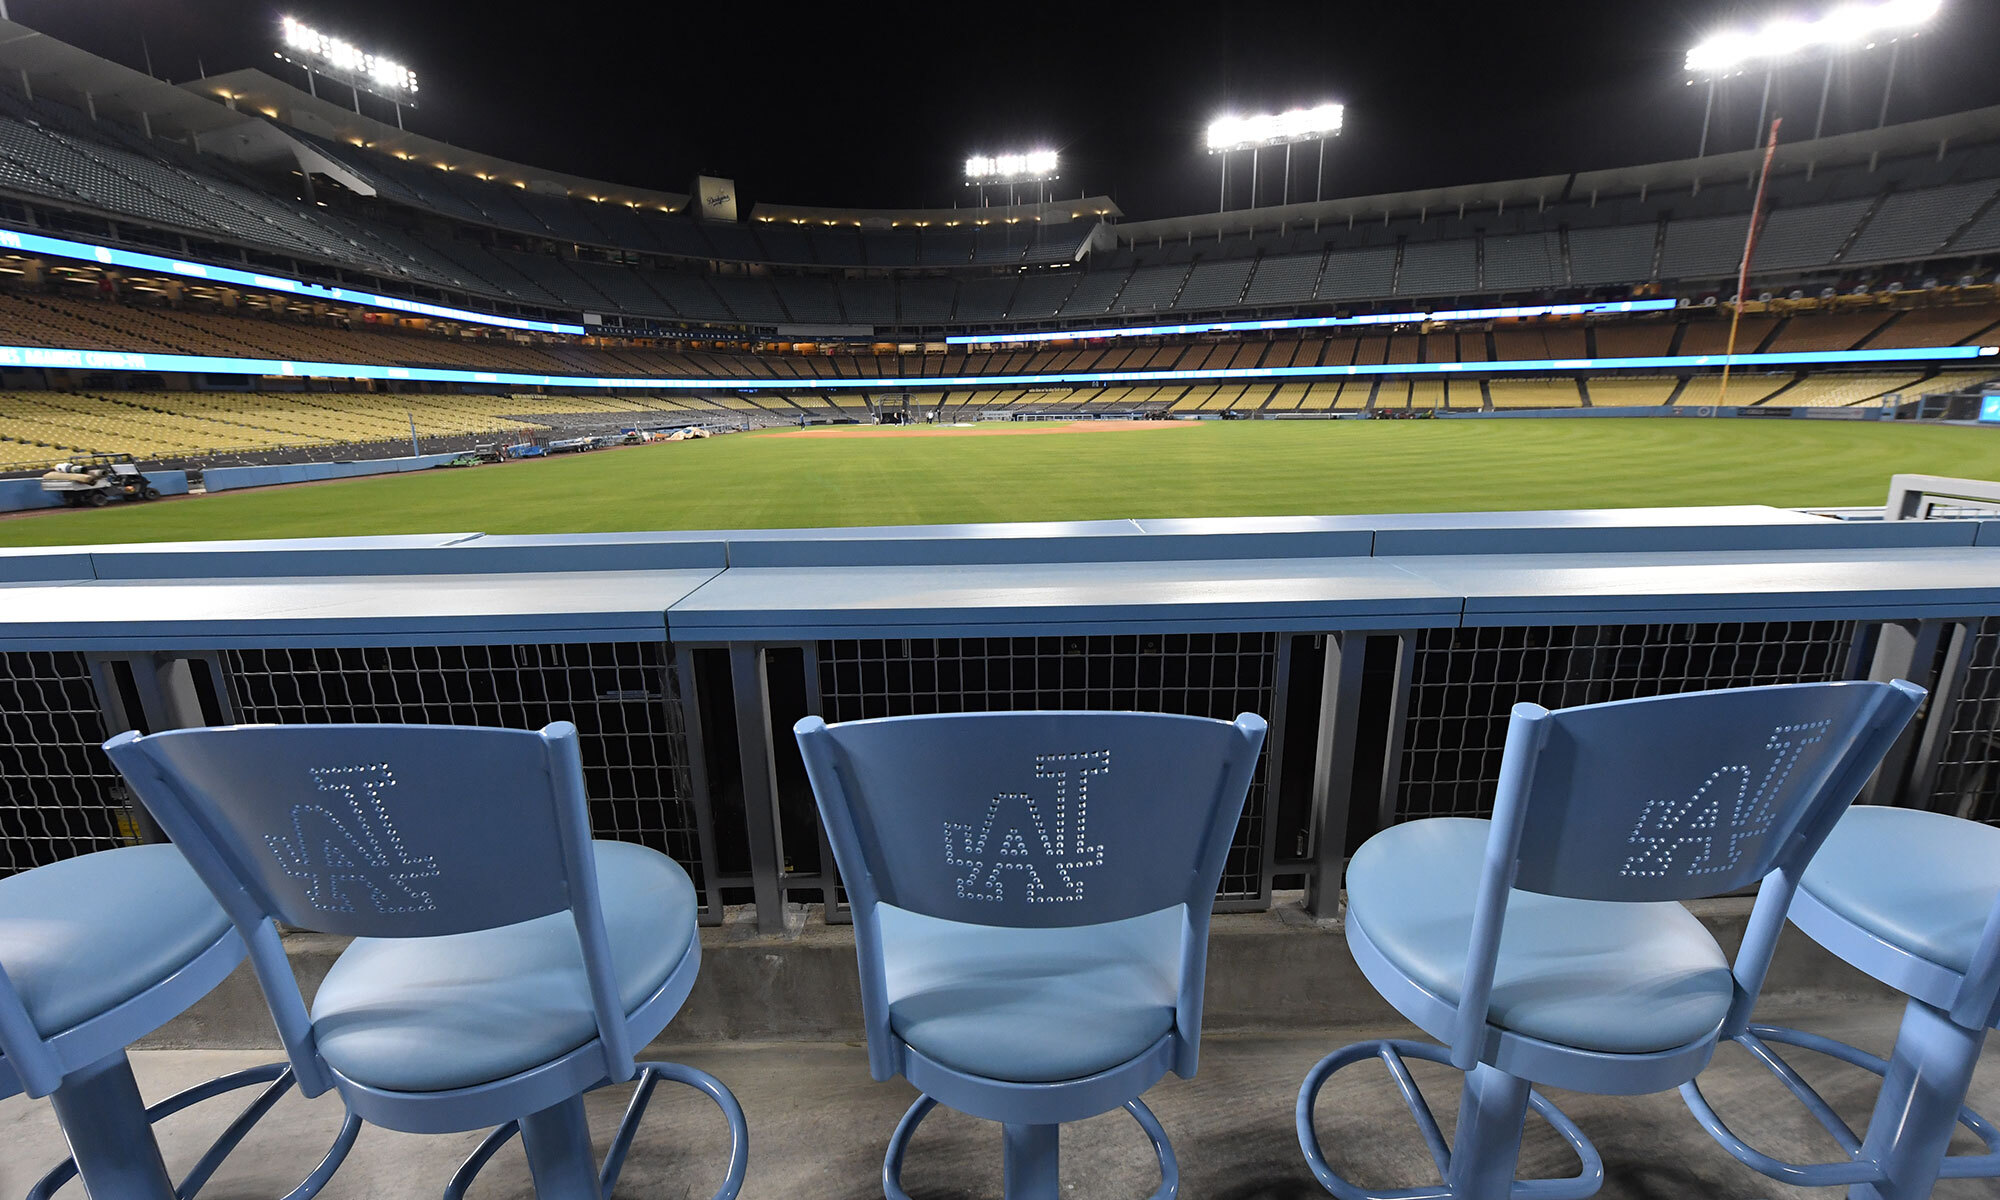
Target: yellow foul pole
<point>1743,270</point>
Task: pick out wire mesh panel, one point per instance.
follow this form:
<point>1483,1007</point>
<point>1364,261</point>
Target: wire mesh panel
<point>1968,761</point>
<point>623,698</point>
<point>1204,675</point>
<point>59,796</point>
<point>1464,682</point>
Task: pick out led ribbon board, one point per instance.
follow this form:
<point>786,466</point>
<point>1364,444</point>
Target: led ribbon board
<point>35,243</point>
<point>108,360</point>
<point>1405,318</point>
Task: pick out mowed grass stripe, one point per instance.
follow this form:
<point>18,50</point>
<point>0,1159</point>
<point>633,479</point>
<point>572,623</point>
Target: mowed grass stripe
<point>1191,470</point>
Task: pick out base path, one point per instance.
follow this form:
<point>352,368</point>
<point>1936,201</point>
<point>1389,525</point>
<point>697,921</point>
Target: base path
<point>985,429</point>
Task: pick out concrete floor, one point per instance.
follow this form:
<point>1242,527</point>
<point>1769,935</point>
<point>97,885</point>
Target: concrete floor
<point>819,1125</point>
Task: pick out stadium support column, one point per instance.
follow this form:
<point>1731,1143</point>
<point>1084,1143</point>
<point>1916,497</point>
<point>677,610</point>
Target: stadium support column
<point>1285,193</point>
<point>1319,176</point>
<point>1253,177</point>
<point>1825,87</point>
<point>1222,204</point>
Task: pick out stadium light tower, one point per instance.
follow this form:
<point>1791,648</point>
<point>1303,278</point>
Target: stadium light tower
<point>1853,26</point>
<point>1287,129</point>
<point>1033,166</point>
<point>342,61</point>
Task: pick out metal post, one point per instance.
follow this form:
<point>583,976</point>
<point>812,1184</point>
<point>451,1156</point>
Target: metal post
<point>1889,84</point>
<point>1285,193</point>
<point>1825,86</point>
<point>1222,204</point>
<point>760,789</point>
<point>399,115</point>
<point>1319,178</point>
<point>1333,769</point>
<point>357,100</point>
<point>1253,177</point>
<point>416,451</point>
<point>1706,114</point>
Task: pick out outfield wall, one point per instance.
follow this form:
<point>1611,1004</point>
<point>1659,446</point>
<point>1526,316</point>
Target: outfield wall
<point>224,479</point>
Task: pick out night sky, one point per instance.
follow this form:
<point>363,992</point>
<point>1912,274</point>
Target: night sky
<point>877,105</point>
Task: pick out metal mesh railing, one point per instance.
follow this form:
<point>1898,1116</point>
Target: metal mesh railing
<point>1464,682</point>
<point>1968,758</point>
<point>1206,675</point>
<point>59,796</point>
<point>623,697</point>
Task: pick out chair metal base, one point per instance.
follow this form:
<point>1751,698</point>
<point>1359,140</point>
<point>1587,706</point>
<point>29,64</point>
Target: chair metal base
<point>557,1141</point>
<point>1922,1098</point>
<point>110,1133</point>
<point>1032,1155</point>
<point>1480,1164</point>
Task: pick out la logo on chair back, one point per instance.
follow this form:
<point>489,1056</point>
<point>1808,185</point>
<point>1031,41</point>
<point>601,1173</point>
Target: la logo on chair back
<point>370,830</point>
<point>1031,819</point>
<point>1676,797</point>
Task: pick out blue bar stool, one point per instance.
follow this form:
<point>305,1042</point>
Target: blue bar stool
<point>96,952</point>
<point>503,964</point>
<point>1031,898</point>
<point>1913,899</point>
<point>1545,946</point>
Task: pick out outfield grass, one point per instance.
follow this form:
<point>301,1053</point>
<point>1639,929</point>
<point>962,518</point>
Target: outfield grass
<point>1185,469</point>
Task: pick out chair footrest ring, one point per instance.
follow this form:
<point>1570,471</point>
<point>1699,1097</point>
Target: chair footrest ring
<point>899,1144</point>
<point>1391,1053</point>
<point>650,1074</point>
<point>1856,1169</point>
<point>277,1078</point>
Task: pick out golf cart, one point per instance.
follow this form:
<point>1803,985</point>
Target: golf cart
<point>97,481</point>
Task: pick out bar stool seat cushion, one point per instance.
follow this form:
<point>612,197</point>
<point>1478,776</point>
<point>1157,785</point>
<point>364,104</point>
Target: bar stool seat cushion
<point>81,936</point>
<point>436,1013</point>
<point>1921,881</point>
<point>1031,1005</point>
<point>1619,978</point>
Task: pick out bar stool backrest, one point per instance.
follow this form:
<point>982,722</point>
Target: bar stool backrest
<point>1679,797</point>
<point>380,831</point>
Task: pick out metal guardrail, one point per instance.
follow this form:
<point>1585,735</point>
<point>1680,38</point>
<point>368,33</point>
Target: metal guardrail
<point>1385,652</point>
<point>1924,497</point>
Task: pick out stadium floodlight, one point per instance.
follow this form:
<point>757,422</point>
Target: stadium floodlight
<point>1030,167</point>
<point>1274,129</point>
<point>1851,25</point>
<point>344,62</point>
<point>1287,129</point>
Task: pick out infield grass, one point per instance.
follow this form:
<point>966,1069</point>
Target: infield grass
<point>1183,470</point>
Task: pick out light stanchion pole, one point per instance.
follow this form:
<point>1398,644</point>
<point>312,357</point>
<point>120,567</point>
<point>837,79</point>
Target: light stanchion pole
<point>1889,84</point>
<point>1222,204</point>
<point>1707,114</point>
<point>1764,107</point>
<point>1319,177</point>
<point>1825,88</point>
<point>1253,177</point>
<point>1285,195</point>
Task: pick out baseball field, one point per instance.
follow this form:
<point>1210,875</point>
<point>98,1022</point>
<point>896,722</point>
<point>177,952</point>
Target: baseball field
<point>1039,472</point>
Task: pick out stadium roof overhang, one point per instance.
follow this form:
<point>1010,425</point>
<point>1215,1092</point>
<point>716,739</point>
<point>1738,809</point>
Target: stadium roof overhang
<point>106,89</point>
<point>1916,137</point>
<point>253,91</point>
<point>1088,208</point>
